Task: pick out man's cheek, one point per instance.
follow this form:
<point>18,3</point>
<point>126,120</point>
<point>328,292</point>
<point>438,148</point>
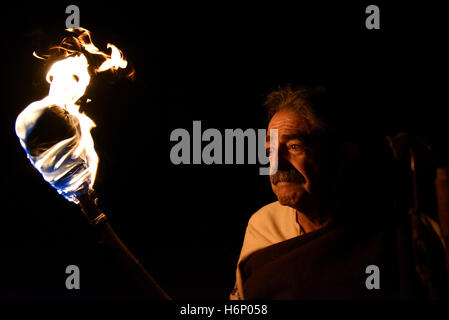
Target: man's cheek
<point>311,170</point>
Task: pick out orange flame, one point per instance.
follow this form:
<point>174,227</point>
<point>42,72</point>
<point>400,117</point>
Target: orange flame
<point>71,164</point>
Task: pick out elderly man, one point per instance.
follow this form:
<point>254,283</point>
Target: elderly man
<point>309,244</point>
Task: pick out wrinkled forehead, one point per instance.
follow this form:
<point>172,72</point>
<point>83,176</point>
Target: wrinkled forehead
<point>289,123</point>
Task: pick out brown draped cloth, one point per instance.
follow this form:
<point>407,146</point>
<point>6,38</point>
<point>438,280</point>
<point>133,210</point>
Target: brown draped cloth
<point>330,263</point>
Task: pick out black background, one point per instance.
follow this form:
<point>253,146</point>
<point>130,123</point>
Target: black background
<point>209,62</point>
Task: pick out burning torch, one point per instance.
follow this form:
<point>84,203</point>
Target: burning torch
<point>56,138</point>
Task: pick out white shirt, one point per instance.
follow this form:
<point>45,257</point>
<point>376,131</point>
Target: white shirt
<point>271,224</point>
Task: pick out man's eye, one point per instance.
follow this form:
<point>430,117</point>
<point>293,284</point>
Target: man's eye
<point>296,147</point>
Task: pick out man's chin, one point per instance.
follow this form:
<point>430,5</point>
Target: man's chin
<point>289,201</point>
<point>287,196</point>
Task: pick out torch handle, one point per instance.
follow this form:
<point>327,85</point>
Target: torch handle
<point>110,240</point>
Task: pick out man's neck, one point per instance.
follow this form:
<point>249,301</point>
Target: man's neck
<point>311,222</point>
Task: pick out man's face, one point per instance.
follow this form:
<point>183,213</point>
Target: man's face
<point>299,176</point>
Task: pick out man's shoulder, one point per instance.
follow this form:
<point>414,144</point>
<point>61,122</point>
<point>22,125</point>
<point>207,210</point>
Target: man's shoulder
<point>271,211</point>
<point>270,224</point>
<point>276,220</point>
